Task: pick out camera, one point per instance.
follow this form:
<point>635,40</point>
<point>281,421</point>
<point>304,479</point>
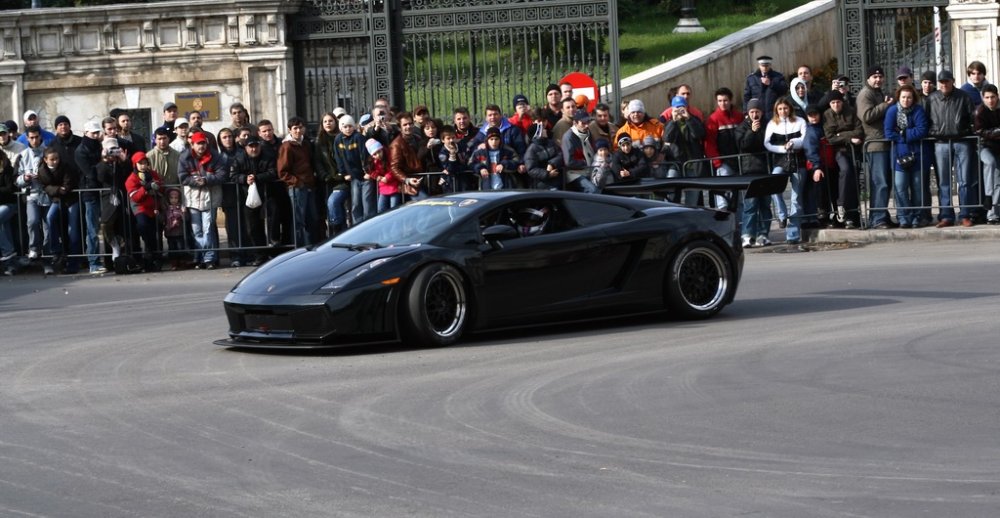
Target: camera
<point>839,84</point>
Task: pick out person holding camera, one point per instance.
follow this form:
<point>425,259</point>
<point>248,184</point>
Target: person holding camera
<point>380,128</point>
<point>906,124</point>
<point>685,134</point>
<point>756,217</point>
<point>116,222</point>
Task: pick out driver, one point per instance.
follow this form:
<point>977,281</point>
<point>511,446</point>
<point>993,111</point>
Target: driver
<point>530,221</point>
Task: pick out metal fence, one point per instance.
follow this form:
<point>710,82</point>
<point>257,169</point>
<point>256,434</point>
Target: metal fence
<point>447,53</point>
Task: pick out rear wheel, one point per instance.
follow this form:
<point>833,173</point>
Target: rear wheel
<point>700,281</point>
<point>436,307</point>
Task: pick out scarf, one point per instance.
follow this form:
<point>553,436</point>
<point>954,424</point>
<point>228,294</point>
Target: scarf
<point>588,152</point>
<point>901,117</point>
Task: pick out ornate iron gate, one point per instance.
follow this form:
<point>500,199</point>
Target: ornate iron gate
<point>447,53</point>
<point>894,33</point>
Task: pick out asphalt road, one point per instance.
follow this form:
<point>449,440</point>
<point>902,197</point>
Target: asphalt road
<point>858,382</point>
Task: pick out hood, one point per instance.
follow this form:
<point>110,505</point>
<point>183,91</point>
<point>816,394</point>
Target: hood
<point>303,271</point>
<point>791,92</point>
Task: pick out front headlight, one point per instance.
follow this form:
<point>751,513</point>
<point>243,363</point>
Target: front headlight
<point>338,283</point>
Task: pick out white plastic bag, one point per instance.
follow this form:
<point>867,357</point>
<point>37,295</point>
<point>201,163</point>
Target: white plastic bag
<point>253,197</point>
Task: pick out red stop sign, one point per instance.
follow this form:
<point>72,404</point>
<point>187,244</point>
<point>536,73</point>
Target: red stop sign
<point>583,84</point>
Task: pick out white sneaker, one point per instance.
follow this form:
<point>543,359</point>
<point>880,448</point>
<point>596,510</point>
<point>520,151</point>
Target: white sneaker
<point>747,242</point>
<point>32,254</point>
<point>763,241</point>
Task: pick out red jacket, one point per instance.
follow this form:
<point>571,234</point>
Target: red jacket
<point>720,134</point>
<point>144,201</point>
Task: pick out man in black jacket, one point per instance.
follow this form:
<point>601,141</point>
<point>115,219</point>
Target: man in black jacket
<point>248,168</point>
<point>86,157</point>
<point>951,122</point>
<point>756,211</point>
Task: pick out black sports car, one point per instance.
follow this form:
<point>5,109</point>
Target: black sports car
<point>433,270</point>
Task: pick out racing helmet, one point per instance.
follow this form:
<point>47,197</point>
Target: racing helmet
<point>530,221</point>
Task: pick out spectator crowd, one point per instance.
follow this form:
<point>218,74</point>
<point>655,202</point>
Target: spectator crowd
<point>111,199</point>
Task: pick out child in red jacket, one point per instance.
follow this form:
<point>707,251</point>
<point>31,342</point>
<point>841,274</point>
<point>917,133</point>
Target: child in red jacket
<point>143,187</point>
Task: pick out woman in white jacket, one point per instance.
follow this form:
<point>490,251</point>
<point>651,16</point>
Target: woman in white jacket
<point>784,137</point>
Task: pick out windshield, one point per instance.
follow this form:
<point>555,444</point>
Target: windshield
<point>416,222</point>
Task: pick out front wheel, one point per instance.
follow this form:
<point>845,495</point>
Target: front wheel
<point>436,307</point>
<point>699,282</point>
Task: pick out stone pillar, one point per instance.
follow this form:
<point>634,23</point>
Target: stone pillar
<point>974,36</point>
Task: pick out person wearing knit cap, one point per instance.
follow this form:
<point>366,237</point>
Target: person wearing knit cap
<point>553,105</point>
<point>144,188</point>
<point>522,114</point>
<point>202,172</point>
<point>872,106</point>
<point>65,142</point>
<point>494,162</point>
<point>840,84</point>
<point>765,84</point>
<point>845,134</point>
<point>86,158</point>
<point>628,164</point>
<point>685,134</point>
<point>756,217</point>
<point>951,110</point>
<point>637,124</point>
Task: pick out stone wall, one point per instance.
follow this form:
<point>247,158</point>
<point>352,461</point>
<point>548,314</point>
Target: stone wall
<point>82,62</point>
<point>806,35</point>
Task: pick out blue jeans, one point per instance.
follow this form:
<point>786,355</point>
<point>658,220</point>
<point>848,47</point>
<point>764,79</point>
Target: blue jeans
<point>389,201</point>
<point>494,181</point>
<point>37,238</point>
<point>56,224</point>
<point>799,205</point>
<point>908,194</point>
<point>756,217</point>
<point>583,184</point>
<point>205,234</point>
<point>7,213</point>
<point>363,200</point>
<point>879,179</point>
<point>724,170</point>
<point>779,199</point>
<point>959,152</point>
<point>335,213</point>
<point>92,217</point>
<point>991,181</point>
<point>304,214</point>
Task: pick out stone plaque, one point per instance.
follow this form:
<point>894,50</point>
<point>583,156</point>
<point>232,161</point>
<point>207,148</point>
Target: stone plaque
<point>205,102</point>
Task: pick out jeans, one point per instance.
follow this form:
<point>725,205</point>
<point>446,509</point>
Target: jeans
<point>991,181</point>
<point>756,217</point>
<point>92,217</point>
<point>800,205</point>
<point>959,152</point>
<point>55,218</point>
<point>7,213</point>
<point>725,169</point>
<point>779,199</point>
<point>879,178</point>
<point>493,181</point>
<point>304,214</point>
<point>336,215</point>
<point>38,240</point>
<point>389,201</point>
<point>908,193</point>
<point>205,234</point>
<point>583,184</point>
<point>363,200</point>
<point>151,242</point>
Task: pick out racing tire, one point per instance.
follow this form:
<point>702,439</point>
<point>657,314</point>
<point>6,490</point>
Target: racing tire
<point>699,282</point>
<point>437,307</point>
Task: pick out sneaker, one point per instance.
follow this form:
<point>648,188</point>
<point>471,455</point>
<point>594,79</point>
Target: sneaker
<point>208,266</point>
<point>988,222</point>
<point>8,256</point>
<point>32,254</point>
<point>850,225</point>
<point>48,269</point>
<point>747,242</point>
<point>235,264</point>
<point>763,241</point>
<point>98,269</point>
<point>8,271</point>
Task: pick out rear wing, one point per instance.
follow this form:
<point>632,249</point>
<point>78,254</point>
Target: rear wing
<point>755,186</point>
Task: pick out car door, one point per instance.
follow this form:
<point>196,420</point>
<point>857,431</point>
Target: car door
<point>539,275</point>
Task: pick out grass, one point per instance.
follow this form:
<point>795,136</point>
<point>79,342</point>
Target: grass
<point>646,41</point>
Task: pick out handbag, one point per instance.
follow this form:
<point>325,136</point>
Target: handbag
<point>790,164</point>
<point>906,161</point>
<point>253,197</point>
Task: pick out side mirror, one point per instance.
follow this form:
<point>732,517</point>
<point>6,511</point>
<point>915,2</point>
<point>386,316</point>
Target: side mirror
<point>496,234</point>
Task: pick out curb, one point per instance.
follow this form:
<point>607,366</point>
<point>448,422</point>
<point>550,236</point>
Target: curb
<point>978,232</point>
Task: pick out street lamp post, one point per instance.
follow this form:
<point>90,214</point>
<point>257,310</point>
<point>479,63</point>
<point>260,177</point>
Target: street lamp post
<point>689,21</point>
